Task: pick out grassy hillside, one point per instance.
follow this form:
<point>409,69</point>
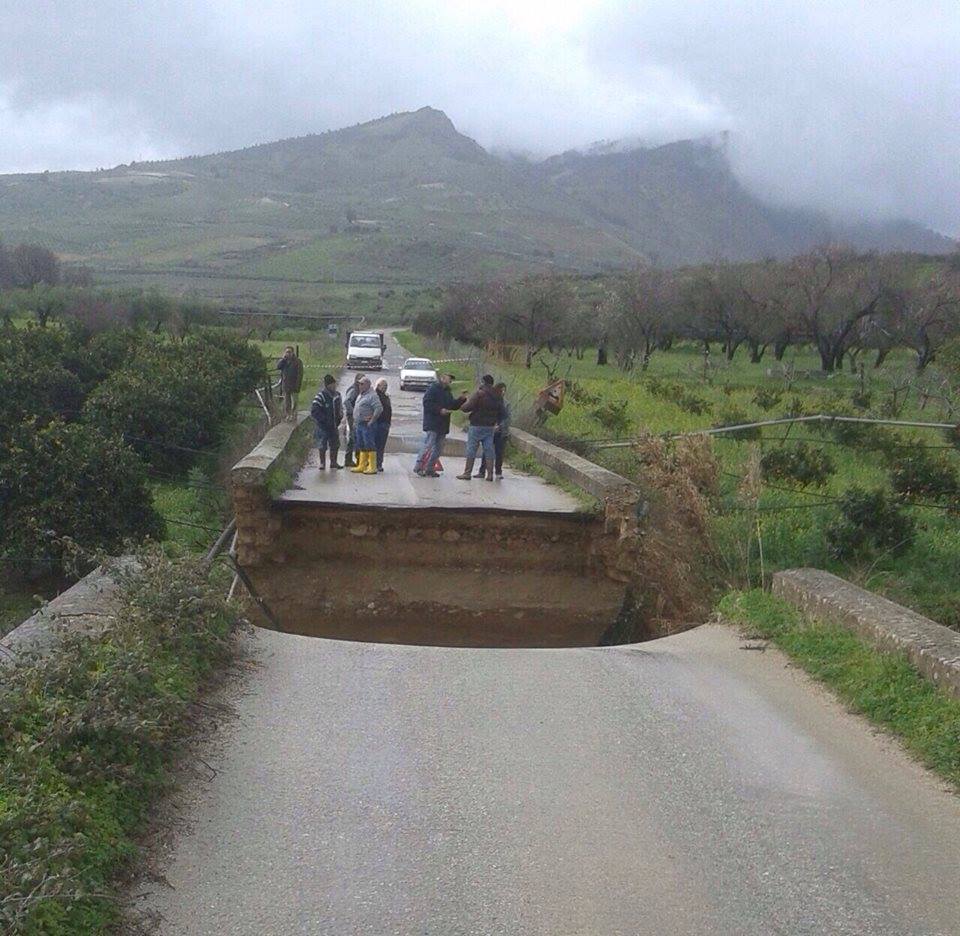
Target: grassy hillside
<point>404,200</point>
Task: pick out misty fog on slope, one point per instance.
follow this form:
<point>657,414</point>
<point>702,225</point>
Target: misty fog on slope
<point>838,105</point>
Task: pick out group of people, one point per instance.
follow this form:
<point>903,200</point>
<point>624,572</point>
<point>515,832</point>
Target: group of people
<point>489,417</point>
<point>367,411</point>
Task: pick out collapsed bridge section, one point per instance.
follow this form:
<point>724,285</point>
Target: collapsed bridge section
<point>400,559</point>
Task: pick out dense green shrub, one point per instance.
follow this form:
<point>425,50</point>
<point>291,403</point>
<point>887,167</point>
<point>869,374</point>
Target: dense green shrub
<point>915,473</point>
<point>691,402</point>
<point>797,407</point>
<point>802,463</point>
<point>86,734</point>
<point>69,481</point>
<point>766,398</point>
<point>869,521</point>
<point>35,379</point>
<point>854,434</point>
<point>225,357</point>
<point>613,416</point>
<point>127,391</point>
<point>952,437</point>
<point>676,393</point>
<point>170,399</point>
<point>110,349</point>
<point>580,394</point>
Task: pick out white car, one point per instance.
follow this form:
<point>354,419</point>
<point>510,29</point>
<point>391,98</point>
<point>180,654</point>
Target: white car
<point>417,374</point>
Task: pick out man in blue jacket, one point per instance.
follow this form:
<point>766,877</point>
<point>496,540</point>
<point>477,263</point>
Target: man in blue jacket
<point>438,403</point>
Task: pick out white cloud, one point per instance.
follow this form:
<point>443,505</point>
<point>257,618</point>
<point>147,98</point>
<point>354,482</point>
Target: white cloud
<point>836,103</point>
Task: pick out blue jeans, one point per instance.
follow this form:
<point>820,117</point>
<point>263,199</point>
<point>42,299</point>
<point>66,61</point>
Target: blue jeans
<point>430,451</point>
<point>499,446</point>
<point>478,436</point>
<point>366,437</point>
<point>382,431</point>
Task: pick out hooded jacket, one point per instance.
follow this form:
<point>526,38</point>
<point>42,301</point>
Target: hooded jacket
<point>485,407</point>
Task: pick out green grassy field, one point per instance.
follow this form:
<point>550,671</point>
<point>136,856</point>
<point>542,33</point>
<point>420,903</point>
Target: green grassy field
<point>386,303</point>
<point>792,518</point>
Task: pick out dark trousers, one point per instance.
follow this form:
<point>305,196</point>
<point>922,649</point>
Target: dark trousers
<point>383,430</point>
<point>327,438</point>
<point>499,447</point>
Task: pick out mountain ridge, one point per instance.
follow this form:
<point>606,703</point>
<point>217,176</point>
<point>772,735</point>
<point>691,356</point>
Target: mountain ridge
<point>407,196</point>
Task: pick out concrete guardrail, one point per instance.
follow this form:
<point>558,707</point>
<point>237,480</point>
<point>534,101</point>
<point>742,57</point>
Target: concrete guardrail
<point>932,648</point>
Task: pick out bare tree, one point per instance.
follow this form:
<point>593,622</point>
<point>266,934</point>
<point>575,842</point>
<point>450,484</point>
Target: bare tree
<point>717,295</point>
<point>924,313</point>
<point>762,316</point>
<point>34,265</point>
<point>534,312</point>
<point>828,292</point>
<point>638,311</point>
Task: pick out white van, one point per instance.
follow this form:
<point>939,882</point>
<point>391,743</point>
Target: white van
<point>365,350</point>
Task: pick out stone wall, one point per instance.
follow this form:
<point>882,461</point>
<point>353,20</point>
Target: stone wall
<point>85,605</point>
<point>621,501</point>
<point>932,648</point>
<point>252,480</point>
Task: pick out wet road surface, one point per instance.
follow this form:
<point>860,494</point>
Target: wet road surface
<point>683,786</point>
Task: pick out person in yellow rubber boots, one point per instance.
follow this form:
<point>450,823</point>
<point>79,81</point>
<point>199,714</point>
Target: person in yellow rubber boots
<point>366,412</point>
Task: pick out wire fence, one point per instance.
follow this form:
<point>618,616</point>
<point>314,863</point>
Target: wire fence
<point>783,421</point>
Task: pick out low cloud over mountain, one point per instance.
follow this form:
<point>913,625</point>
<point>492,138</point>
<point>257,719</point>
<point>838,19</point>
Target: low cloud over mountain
<point>847,108</point>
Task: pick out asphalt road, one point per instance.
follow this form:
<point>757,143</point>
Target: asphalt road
<point>684,786</point>
<point>407,404</point>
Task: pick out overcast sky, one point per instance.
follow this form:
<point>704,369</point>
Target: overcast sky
<point>850,105</point>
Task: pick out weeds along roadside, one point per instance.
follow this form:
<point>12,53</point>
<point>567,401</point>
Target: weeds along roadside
<point>882,686</point>
<point>804,473</point>
<point>86,737</point>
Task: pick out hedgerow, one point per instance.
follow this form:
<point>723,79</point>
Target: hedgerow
<point>67,482</point>
<point>77,408</point>
<point>86,735</point>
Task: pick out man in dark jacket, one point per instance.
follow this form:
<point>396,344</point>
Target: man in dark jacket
<point>349,400</point>
<point>383,420</point>
<point>327,413</point>
<point>486,410</point>
<point>438,403</point>
<point>291,380</point>
<point>500,436</point>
